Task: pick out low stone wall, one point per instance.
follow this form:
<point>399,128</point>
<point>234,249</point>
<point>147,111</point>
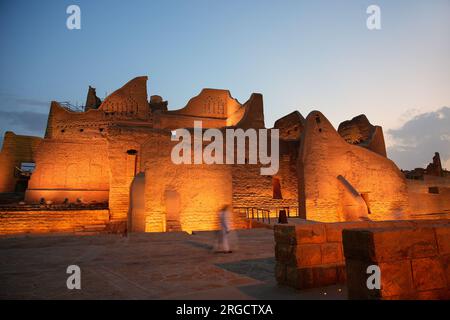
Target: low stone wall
<point>64,221</point>
<point>310,254</point>
<point>414,263</point>
<point>426,203</point>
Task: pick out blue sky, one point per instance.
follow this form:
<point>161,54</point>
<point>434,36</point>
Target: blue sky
<point>301,55</point>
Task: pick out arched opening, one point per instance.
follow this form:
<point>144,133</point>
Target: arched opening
<point>136,215</point>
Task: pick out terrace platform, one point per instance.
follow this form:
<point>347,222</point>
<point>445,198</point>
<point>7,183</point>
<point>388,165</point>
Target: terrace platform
<point>147,266</point>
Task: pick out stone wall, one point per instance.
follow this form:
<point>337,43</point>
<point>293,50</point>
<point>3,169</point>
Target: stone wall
<point>72,169</point>
<point>430,195</point>
<point>184,197</point>
<point>373,179</point>
<point>310,254</point>
<point>175,121</point>
<point>291,126</point>
<point>210,103</point>
<point>15,150</point>
<point>129,101</point>
<point>65,124</point>
<point>125,157</point>
<point>251,189</point>
<point>215,109</point>
<point>66,221</point>
<point>414,262</point>
<point>211,106</point>
<point>360,131</point>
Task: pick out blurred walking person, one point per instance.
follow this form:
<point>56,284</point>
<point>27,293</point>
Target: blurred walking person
<point>223,234</point>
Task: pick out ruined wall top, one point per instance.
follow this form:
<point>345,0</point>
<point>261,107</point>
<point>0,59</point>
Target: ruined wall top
<point>435,167</point>
<point>210,103</point>
<point>92,101</point>
<point>215,107</point>
<point>131,99</point>
<point>291,126</point>
<point>356,130</point>
<point>359,131</point>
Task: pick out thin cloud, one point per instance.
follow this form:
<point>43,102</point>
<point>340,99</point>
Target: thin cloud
<point>32,102</point>
<point>22,122</point>
<point>9,100</point>
<point>415,142</point>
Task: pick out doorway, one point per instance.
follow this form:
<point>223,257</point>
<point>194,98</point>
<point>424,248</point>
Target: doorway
<point>136,216</point>
<point>173,209</point>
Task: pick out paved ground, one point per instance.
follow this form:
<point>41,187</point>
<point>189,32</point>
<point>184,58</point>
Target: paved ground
<point>146,266</point>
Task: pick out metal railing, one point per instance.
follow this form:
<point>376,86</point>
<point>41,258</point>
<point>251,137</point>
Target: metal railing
<point>267,214</point>
<point>70,107</point>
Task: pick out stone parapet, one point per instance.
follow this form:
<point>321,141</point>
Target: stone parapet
<point>310,254</point>
<point>414,262</point>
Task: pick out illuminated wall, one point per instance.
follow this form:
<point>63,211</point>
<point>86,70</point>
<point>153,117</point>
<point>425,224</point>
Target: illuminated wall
<point>15,150</point>
<point>73,169</point>
<point>216,109</point>
<point>95,155</point>
<point>251,189</point>
<point>430,195</point>
<point>62,221</point>
<point>125,160</point>
<point>365,177</point>
<point>183,197</point>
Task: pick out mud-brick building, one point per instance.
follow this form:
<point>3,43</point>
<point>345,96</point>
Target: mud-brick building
<point>116,153</point>
<point>94,156</point>
<point>17,158</point>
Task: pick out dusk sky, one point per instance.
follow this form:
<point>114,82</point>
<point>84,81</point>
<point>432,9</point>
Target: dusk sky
<point>301,55</point>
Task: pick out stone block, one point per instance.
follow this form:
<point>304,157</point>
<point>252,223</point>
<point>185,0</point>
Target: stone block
<point>310,233</point>
<point>285,253</point>
<point>280,273</point>
<point>443,239</point>
<point>356,274</point>
<point>379,245</point>
<point>411,265</point>
<point>341,273</point>
<point>402,243</point>
<point>308,255</point>
<point>438,294</point>
<point>312,277</point>
<point>445,260</point>
<point>305,278</point>
<point>332,253</point>
<point>358,244</point>
<point>334,230</point>
<point>392,224</point>
<point>325,275</point>
<point>292,277</point>
<point>428,274</point>
<point>396,278</point>
<point>285,234</point>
